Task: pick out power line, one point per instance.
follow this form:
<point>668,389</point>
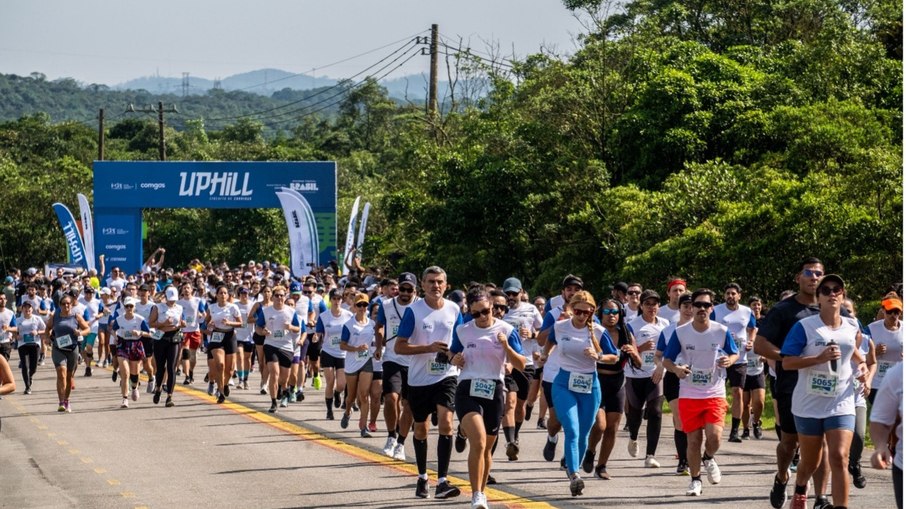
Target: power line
<point>446,43</point>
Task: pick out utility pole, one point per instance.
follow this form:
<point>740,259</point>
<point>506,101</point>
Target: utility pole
<point>161,148</point>
<point>101,135</point>
<point>432,85</point>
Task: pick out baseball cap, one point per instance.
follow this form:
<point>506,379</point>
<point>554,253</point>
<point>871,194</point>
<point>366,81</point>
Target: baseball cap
<point>105,291</point>
<point>295,287</point>
<point>457,296</point>
<point>408,278</point>
<point>832,278</point>
<point>621,287</point>
<point>512,285</point>
<point>649,294</point>
<point>32,271</point>
<point>172,294</point>
<point>9,279</point>
<point>571,280</point>
<point>25,303</point>
<point>888,304</point>
<point>129,301</point>
<point>361,297</point>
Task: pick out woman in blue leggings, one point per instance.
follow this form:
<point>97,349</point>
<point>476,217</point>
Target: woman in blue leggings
<point>576,391</point>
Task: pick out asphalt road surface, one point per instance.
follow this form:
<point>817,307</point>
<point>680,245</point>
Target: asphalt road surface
<point>200,454</point>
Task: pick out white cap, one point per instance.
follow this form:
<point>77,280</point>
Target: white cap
<point>129,301</point>
<point>105,291</point>
<point>172,294</point>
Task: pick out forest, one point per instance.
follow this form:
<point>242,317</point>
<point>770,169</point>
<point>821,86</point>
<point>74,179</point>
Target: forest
<point>717,141</point>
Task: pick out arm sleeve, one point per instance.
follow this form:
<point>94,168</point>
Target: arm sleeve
<point>606,344</point>
<point>729,344</point>
<point>259,319</point>
<point>661,343</point>
<point>344,336</point>
<point>116,325</point>
<point>548,321</point>
<point>752,323</point>
<point>407,325</point>
<point>515,341</point>
<point>381,318</point>
<point>298,323</point>
<point>673,348</point>
<point>12,321</point>
<point>713,315</point>
<point>547,307</point>
<point>319,326</point>
<point>145,327</point>
<point>322,307</point>
<point>456,346</point>
<point>795,341</point>
<point>551,336</point>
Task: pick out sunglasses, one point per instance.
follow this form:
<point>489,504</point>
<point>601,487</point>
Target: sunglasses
<point>483,312</point>
<point>610,311</point>
<point>308,292</point>
<point>633,292</point>
<point>512,294</point>
<point>830,290</point>
<point>501,307</point>
<point>812,273</point>
<point>582,312</point>
<point>404,289</point>
<point>362,305</point>
<point>279,295</point>
<point>702,304</point>
<point>893,312</point>
<point>127,306</point>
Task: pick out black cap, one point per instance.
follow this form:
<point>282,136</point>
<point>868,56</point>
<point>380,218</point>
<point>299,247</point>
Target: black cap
<point>649,294</point>
<point>684,298</point>
<point>408,278</point>
<point>572,280</point>
<point>621,287</point>
<point>457,296</point>
<point>829,278</point>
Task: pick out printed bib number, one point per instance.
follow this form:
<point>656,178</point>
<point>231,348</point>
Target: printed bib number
<point>648,358</point>
<point>64,341</point>
<point>740,343</point>
<point>335,341</point>
<point>362,355</point>
<point>581,383</point>
<point>752,363</point>
<point>700,377</point>
<point>217,337</point>
<point>883,366</point>
<point>28,338</point>
<point>190,320</point>
<point>437,368</point>
<point>279,333</point>
<point>157,334</point>
<point>482,388</point>
<point>822,384</point>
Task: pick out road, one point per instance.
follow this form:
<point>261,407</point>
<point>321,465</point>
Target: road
<point>199,454</point>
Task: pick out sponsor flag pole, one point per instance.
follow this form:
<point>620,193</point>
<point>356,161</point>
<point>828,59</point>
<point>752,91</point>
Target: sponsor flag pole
<point>350,234</point>
<point>363,225</point>
<point>304,248</point>
<point>87,230</point>
<point>71,233</point>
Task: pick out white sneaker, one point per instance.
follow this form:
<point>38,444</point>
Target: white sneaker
<point>695,488</point>
<point>399,452</point>
<point>125,403</point>
<point>150,387</point>
<point>135,394</point>
<point>479,501</point>
<point>650,462</point>
<point>713,471</point>
<point>232,383</point>
<point>389,446</point>
<point>210,388</point>
<point>633,448</point>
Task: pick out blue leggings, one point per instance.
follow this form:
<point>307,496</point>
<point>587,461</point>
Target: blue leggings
<point>576,412</point>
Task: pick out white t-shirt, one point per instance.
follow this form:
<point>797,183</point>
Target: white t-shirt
<point>671,315</point>
<point>889,404</point>
<point>631,314</point>
<point>244,333</point>
<point>276,321</point>
<point>30,330</point>
<point>193,312</point>
<point>526,315</point>
<point>645,332</point>
<point>701,350</point>
<point>572,343</point>
<point>93,308</point>
<point>356,334</point>
<point>552,365</point>
<point>893,339</point>
<point>390,315</point>
<point>738,321</point>
<point>484,357</point>
<point>331,329</point>
<point>222,314</point>
<point>424,325</point>
<point>144,309</point>
<point>125,328</point>
<point>170,314</point>
<point>7,317</point>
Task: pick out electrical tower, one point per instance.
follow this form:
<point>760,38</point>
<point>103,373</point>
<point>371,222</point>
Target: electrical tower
<point>185,84</point>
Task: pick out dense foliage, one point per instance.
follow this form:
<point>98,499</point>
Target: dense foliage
<point>713,140</point>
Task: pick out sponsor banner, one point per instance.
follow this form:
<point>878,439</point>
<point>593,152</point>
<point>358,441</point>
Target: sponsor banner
<point>303,232</point>
<point>74,245</point>
<point>363,225</point>
<point>350,234</point>
<point>87,230</point>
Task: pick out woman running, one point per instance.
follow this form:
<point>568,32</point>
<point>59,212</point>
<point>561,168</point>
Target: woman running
<point>223,317</point>
<point>888,338</point>
<point>166,319</point>
<point>356,340</point>
<point>130,328</point>
<point>482,347</point>
<point>576,391</point>
<point>30,328</point>
<point>193,309</point>
<point>611,379</point>
<point>277,323</point>
<point>263,298</point>
<point>107,303</point>
<point>66,331</point>
<point>824,349</point>
<point>333,360</point>
<point>244,338</point>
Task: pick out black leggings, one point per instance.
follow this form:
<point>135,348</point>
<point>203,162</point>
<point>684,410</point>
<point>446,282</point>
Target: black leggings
<point>165,356</point>
<point>29,356</point>
<point>642,392</point>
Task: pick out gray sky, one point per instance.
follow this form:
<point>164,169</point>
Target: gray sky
<point>109,42</point>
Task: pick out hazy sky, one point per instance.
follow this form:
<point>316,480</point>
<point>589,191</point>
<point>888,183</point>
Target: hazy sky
<point>110,42</point>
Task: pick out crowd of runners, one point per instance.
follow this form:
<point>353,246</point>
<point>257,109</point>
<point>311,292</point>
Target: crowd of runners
<point>410,351</point>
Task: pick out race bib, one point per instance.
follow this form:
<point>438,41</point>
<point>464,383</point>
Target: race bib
<point>157,334</point>
<point>217,337</point>
<point>883,366</point>
<point>279,333</point>
<point>64,341</point>
<point>752,363</point>
<point>335,341</point>
<point>648,358</point>
<point>482,388</point>
<point>28,338</point>
<point>580,383</point>
<point>822,384</point>
<point>740,343</point>
<point>437,368</point>
<point>700,377</point>
<point>363,354</point>
<point>190,320</point>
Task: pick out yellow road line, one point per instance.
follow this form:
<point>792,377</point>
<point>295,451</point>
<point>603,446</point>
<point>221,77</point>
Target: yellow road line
<point>494,495</point>
<point>113,482</point>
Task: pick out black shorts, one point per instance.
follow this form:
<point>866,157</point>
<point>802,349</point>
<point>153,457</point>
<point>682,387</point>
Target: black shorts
<point>147,344</point>
<point>424,400</point>
<point>613,397</point>
<point>523,382</point>
<point>538,373</point>
<point>278,355</point>
<point>314,351</point>
<point>247,346</point>
<point>329,361</point>
<point>736,375</point>
<point>303,352</point>
<point>377,376</point>
<point>546,388</point>
<point>643,393</point>
<point>754,382</point>
<point>785,412</point>
<point>227,344</point>
<point>258,339</point>
<point>509,383</point>
<point>491,410</point>
<point>396,379</point>
<point>671,386</point>
<point>368,367</point>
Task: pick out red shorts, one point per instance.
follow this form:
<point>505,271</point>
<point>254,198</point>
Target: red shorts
<point>191,340</point>
<point>695,413</point>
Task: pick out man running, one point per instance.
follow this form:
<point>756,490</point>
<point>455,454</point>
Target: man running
<point>740,321</point>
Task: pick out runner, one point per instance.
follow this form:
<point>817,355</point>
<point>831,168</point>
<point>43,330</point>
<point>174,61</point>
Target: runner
<point>66,330</point>
<point>670,311</point>
<point>193,310</point>
<point>333,359</point>
<point>888,338</point>
<point>222,318</point>
<point>645,396</point>
<point>633,293</point>
<point>754,390</point>
<point>709,348</point>
<point>277,323</point>
<point>482,348</point>
<point>672,382</point>
<point>426,333</point>
<point>861,391</point>
<point>103,322</point>
<point>93,308</point>
<point>7,327</point>
<point>263,297</point>
<point>356,340</point>
<point>166,320</point>
<point>397,415</point>
<point>822,347</point>
<point>576,391</point>
<point>740,321</point>
<point>29,328</point>
<point>143,308</point>
<point>129,328</point>
<point>887,429</point>
<point>244,338</point>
